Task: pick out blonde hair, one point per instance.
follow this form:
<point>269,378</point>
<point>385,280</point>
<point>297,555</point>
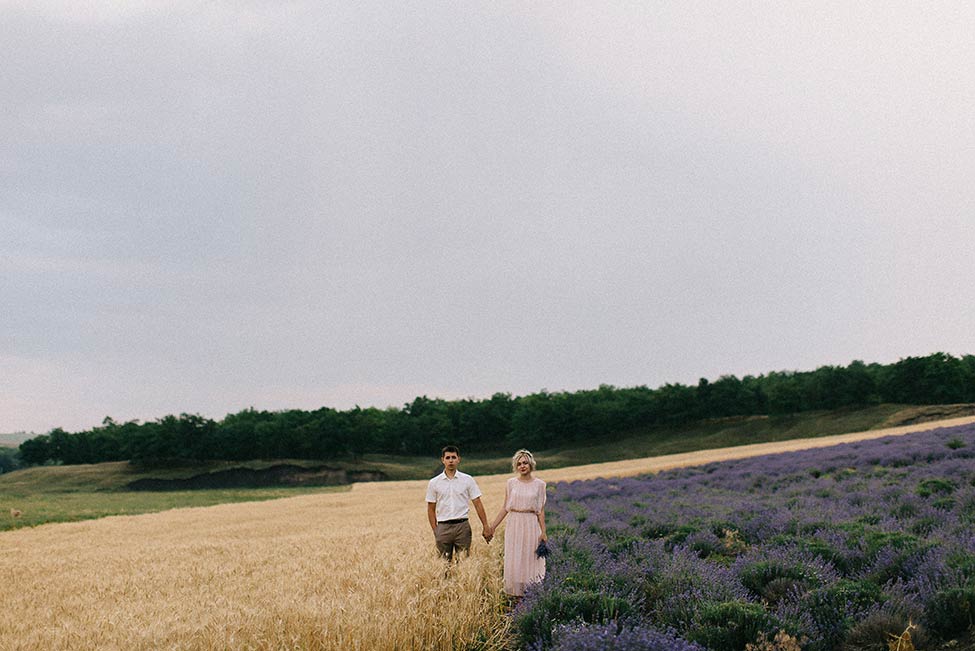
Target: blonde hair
<point>522,453</point>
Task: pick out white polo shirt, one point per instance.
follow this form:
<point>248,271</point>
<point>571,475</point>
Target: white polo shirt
<point>452,496</point>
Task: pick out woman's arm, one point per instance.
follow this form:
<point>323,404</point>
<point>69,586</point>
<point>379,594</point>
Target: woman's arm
<point>541,512</point>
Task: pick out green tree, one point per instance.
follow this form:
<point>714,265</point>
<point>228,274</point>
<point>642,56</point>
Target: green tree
<point>9,459</point>
<point>784,391</point>
<point>486,424</point>
<point>35,451</point>
<point>936,379</point>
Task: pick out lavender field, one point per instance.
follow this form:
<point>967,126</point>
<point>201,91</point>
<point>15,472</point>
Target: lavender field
<point>839,547</point>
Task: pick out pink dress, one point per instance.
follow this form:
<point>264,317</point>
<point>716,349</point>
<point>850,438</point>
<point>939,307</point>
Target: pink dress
<point>521,536</point>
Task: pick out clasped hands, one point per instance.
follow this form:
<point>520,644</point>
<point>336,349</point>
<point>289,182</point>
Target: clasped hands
<point>488,534</point>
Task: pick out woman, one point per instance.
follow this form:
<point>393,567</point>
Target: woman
<point>524,499</point>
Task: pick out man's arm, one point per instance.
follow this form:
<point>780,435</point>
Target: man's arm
<point>432,515</point>
<point>482,515</point>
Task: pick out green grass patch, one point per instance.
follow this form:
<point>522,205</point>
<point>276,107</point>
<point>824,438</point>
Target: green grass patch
<point>72,506</point>
<point>71,493</point>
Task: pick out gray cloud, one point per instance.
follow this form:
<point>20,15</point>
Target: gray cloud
<point>296,204</point>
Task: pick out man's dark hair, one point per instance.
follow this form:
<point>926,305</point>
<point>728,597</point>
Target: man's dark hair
<point>450,448</point>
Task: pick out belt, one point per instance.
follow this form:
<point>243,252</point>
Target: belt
<point>457,521</point>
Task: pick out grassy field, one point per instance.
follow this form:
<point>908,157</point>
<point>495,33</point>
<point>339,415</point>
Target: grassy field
<point>48,507</point>
<point>73,493</point>
<point>335,570</point>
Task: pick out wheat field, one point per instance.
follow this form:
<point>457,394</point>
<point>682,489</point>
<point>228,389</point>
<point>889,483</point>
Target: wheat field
<point>351,570</point>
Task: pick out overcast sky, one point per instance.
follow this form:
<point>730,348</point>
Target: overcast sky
<point>209,206</point>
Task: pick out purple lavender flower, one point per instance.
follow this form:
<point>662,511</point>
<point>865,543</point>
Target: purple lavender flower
<point>811,540</point>
<point>613,636</point>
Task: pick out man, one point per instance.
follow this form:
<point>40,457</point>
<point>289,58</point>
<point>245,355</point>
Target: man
<point>448,498</point>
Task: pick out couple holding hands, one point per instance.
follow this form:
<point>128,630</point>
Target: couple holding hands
<point>448,496</point>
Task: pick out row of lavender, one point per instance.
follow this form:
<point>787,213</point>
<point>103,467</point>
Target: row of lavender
<point>839,547</point>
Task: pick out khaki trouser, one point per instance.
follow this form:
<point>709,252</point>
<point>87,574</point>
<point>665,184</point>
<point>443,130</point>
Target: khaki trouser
<point>452,537</point>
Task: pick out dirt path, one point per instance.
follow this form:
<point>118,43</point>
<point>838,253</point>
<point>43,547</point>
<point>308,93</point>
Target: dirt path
<point>699,457</point>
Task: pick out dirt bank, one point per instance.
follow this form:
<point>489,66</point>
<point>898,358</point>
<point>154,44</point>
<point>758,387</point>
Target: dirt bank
<point>279,475</point>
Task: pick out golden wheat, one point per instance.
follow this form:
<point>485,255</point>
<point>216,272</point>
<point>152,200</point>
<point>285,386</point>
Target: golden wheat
<point>354,570</point>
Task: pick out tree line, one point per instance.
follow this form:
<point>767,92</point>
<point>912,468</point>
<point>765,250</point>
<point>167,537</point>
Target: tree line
<point>539,420</point>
